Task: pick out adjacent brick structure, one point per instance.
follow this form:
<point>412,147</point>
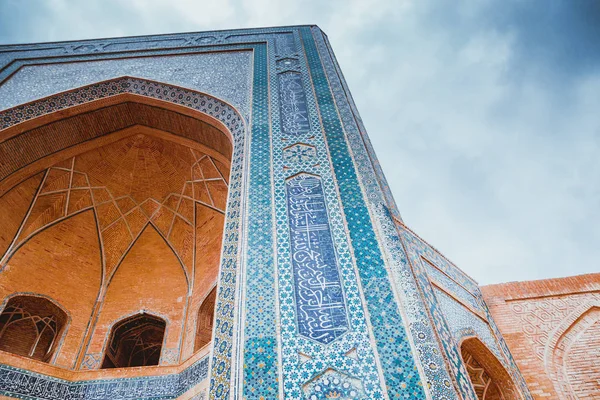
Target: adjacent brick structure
<point>552,327</point>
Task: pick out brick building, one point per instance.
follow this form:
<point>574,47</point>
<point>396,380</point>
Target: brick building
<point>202,215</point>
<point>552,328</point>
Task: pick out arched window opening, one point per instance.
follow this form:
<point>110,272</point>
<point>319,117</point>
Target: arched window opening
<point>135,342</point>
<point>205,320</point>
<point>31,326</point>
<point>488,377</point>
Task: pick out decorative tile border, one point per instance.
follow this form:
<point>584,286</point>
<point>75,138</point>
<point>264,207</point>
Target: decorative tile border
<point>16,382</point>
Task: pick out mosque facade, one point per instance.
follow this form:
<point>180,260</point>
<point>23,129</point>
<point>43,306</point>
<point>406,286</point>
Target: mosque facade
<point>202,216</point>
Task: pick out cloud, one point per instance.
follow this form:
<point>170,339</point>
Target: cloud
<point>483,114</point>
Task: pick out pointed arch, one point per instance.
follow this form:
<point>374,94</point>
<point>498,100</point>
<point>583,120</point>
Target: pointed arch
<point>67,124</point>
<point>490,380</point>
<point>204,321</point>
<point>70,274</point>
<point>33,325</point>
<point>576,334</point>
<point>151,280</point>
<point>135,341</point>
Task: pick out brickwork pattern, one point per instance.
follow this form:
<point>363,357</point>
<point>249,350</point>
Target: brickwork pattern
<point>553,330</point>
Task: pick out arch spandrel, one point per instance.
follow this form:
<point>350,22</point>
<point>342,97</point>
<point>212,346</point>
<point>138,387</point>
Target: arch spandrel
<point>32,270</point>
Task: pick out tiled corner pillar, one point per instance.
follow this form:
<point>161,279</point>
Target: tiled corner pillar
<point>324,312</point>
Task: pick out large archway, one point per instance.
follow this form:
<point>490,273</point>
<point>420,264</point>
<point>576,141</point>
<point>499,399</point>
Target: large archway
<point>133,154</point>
<point>488,376</point>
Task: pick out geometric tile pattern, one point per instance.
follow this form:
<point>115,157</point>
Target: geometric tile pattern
<point>299,153</point>
<point>304,359</point>
<point>334,385</point>
<point>260,349</point>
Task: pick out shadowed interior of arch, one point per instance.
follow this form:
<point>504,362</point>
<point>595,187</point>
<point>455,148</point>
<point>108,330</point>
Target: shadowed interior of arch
<point>149,183</point>
<point>488,376</point>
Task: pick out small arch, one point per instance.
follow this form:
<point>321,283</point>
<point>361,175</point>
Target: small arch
<point>489,378</point>
<point>32,326</point>
<point>135,341</point>
<point>204,322</point>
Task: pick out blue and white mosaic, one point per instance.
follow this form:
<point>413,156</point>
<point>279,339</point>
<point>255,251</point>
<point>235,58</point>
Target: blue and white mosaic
<point>293,110</point>
<point>299,153</point>
<point>16,382</point>
<point>320,303</point>
<point>460,319</point>
<point>225,75</point>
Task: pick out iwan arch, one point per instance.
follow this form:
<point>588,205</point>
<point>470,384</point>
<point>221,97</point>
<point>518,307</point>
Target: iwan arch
<point>203,216</point>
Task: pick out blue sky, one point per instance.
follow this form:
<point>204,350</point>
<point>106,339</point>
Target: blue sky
<point>484,114</point>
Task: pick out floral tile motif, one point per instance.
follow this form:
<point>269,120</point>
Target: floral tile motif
<point>299,153</point>
<point>334,385</point>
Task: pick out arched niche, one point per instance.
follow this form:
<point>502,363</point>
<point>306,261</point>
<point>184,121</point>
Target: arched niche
<point>135,341</point>
<point>571,354</point>
<point>61,262</point>
<point>488,376</point>
<point>204,322</point>
<point>75,135</point>
<point>32,326</point>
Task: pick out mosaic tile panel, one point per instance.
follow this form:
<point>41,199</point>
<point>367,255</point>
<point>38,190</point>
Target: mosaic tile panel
<point>226,75</point>
<point>334,385</point>
<point>460,319</point>
<point>16,382</point>
<point>449,284</point>
<point>395,353</point>
<point>304,360</point>
<point>299,153</point>
<point>292,103</point>
<point>260,335</point>
<point>320,302</point>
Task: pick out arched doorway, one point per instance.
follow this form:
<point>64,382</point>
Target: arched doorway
<point>488,376</point>
<point>31,326</point>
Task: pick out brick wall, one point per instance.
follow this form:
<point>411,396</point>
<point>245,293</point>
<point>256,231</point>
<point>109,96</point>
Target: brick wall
<point>552,327</point>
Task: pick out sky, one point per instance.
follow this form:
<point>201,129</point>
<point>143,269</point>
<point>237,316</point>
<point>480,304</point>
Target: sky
<point>485,115</point>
